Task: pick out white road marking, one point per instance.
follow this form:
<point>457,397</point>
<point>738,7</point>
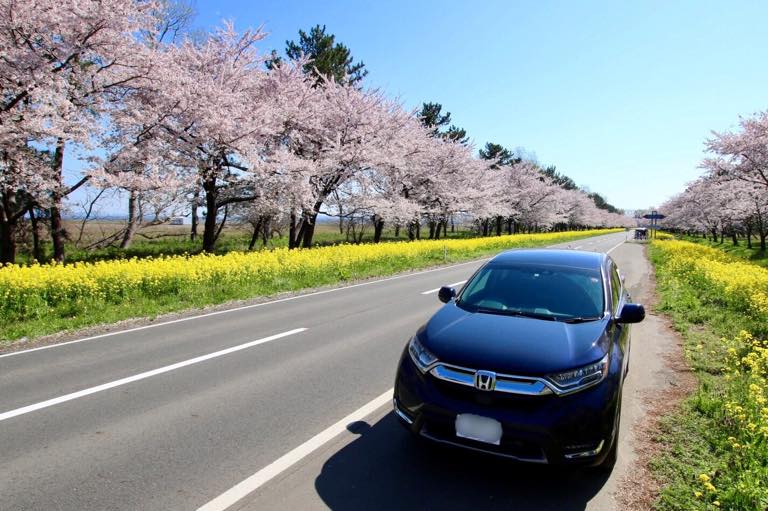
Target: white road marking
<point>258,479</point>
<point>154,372</point>
<point>438,289</point>
<point>576,248</point>
<point>615,247</point>
<point>243,307</point>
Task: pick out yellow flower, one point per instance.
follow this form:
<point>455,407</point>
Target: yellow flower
<point>30,290</point>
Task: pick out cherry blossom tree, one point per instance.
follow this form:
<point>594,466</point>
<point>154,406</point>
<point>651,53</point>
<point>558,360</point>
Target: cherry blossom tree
<point>741,154</point>
<point>61,61</point>
<point>168,119</point>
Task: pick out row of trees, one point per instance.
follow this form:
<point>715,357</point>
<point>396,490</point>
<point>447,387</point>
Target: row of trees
<point>731,198</point>
<point>210,124</point>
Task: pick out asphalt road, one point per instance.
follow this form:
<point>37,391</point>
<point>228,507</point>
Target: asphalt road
<point>175,415</point>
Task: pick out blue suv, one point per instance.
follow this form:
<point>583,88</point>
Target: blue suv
<point>527,362</point>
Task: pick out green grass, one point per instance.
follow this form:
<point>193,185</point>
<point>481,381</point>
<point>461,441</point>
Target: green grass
<point>697,435</point>
<point>83,312</point>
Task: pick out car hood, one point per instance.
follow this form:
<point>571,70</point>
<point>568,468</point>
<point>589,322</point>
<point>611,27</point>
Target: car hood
<point>512,344</point>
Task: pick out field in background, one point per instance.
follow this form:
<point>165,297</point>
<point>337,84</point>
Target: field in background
<point>41,299</point>
<point>168,239</point>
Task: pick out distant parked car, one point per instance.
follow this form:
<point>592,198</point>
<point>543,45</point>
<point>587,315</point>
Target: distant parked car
<point>179,220</point>
<point>641,233</point>
<point>527,362</point>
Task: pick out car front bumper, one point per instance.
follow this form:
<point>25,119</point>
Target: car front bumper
<point>573,429</point>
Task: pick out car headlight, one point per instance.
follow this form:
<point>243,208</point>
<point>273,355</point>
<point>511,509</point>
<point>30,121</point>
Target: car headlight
<point>420,355</point>
<point>582,376</point>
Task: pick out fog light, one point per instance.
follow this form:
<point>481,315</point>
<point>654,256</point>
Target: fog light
<point>401,413</point>
<point>583,450</point>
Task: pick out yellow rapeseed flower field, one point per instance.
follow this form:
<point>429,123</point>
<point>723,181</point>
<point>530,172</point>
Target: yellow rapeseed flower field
<point>740,407</point>
<point>740,284</point>
<point>29,291</point>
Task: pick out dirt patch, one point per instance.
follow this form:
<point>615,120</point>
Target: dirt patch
<point>639,489</point>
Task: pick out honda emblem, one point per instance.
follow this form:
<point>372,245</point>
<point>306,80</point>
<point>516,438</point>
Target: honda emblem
<point>485,380</point>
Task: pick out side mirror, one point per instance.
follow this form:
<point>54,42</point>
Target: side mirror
<point>446,294</point>
<point>631,313</point>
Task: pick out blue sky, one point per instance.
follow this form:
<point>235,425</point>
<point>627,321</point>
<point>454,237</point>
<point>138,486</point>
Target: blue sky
<point>618,95</point>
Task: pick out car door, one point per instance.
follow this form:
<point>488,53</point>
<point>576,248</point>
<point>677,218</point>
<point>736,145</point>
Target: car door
<point>619,296</point>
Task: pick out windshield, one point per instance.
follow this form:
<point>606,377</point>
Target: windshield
<point>559,293</point>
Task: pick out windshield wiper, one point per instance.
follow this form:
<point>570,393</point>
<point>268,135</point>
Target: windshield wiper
<point>511,312</point>
<point>580,319</point>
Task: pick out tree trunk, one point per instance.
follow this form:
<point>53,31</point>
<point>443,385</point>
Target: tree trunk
<point>498,226</point>
<point>223,222</point>
<point>193,230</point>
<point>438,226</point>
<point>397,230</point>
<point>445,229</point>
<point>292,230</point>
<point>211,212</point>
<point>431,230</point>
<point>7,240</point>
<point>734,239</point>
<point>749,236</point>
<point>762,241</point>
<point>485,227</point>
<point>418,230</point>
<point>714,235</point>
<point>255,235</point>
<point>58,233</point>
<point>412,231</point>
<point>37,252</point>
<point>378,229</point>
<point>133,220</point>
<point>308,227</point>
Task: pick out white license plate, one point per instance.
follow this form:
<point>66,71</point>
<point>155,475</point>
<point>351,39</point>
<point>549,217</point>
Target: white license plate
<point>475,427</point>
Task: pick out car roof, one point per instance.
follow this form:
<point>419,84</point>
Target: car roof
<point>553,257</point>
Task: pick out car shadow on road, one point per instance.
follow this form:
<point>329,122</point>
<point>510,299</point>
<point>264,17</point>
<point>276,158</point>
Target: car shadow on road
<point>386,468</point>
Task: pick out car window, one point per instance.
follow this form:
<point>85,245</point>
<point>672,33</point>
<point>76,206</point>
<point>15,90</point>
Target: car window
<point>615,288</point>
<point>554,292</point>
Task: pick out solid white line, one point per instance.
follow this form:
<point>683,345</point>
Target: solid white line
<point>255,481</point>
<point>614,248</point>
<point>130,379</point>
<point>243,307</point>
<point>438,289</point>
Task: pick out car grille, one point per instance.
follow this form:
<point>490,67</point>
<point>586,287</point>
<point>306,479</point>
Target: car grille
<point>494,400</point>
<point>505,384</point>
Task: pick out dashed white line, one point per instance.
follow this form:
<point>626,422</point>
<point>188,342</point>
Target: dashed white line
<point>615,247</point>
<point>141,376</point>
<point>438,289</point>
<point>258,479</point>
